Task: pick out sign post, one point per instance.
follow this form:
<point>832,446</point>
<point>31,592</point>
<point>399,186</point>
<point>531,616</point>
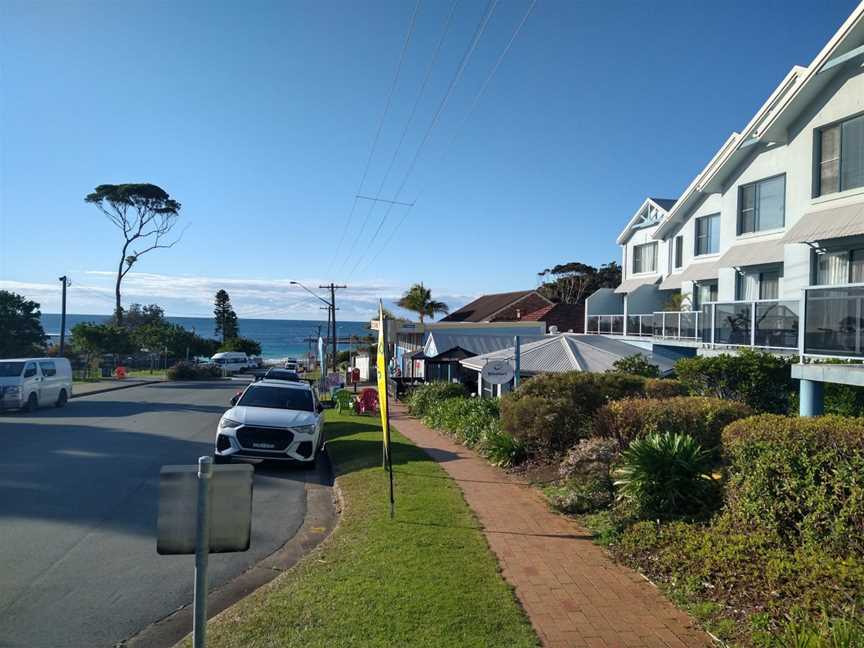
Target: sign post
<point>202,551</point>
<point>517,352</point>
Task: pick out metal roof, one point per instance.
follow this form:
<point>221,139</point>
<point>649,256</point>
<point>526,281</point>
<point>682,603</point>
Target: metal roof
<point>827,224</point>
<point>630,285</point>
<point>569,352</point>
<point>439,342</point>
<point>756,253</point>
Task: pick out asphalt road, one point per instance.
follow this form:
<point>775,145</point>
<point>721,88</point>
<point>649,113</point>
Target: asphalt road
<point>78,509</point>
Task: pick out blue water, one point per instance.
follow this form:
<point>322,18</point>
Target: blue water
<point>278,338</point>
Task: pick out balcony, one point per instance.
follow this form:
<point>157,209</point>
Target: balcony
<point>834,321</point>
<point>677,325</point>
<point>767,324</point>
<point>630,325</point>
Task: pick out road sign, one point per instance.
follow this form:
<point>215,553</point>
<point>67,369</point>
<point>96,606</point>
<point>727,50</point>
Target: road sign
<point>497,372</point>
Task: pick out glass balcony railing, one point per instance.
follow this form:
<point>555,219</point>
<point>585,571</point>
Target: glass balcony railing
<point>677,325</point>
<point>766,323</point>
<point>834,321</point>
<point>630,325</point>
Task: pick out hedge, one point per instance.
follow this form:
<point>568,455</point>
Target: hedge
<point>189,371</point>
<point>801,479</point>
<point>700,417</point>
<point>549,413</point>
<point>464,418</point>
<point>422,398</point>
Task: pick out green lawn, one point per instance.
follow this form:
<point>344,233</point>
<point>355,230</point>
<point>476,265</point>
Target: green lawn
<point>425,578</point>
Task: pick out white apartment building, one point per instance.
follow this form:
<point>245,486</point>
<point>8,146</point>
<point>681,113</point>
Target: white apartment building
<point>765,247</point>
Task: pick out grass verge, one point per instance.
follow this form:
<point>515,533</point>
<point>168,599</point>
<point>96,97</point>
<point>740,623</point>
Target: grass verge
<point>425,578</point>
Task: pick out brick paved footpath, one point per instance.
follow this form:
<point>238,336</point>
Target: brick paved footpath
<point>573,592</point>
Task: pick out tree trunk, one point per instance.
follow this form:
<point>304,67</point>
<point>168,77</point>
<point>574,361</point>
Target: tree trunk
<point>118,309</point>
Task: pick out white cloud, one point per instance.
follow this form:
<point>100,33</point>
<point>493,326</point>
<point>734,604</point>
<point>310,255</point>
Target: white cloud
<point>92,292</point>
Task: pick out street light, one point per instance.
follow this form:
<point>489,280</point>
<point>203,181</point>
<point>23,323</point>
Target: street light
<point>316,296</point>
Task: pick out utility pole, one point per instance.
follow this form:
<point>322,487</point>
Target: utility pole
<point>65,281</point>
<point>333,287</point>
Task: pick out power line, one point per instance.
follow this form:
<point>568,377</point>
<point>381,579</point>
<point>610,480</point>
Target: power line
<point>466,57</point>
<point>411,115</point>
<point>378,131</point>
<point>461,124</point>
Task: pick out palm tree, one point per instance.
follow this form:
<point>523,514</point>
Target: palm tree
<point>418,299</point>
<point>678,302</point>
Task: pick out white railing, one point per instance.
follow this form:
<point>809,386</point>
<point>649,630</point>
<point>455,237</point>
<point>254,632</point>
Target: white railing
<point>629,325</point>
<point>833,321</point>
<point>677,325</point>
<point>762,323</point>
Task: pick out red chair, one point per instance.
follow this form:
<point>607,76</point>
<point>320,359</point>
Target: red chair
<point>367,402</point>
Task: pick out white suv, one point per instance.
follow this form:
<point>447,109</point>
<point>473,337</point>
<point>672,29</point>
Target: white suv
<point>272,420</point>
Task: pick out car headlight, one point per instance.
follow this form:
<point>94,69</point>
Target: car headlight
<point>13,390</point>
<point>229,423</point>
<point>304,429</point>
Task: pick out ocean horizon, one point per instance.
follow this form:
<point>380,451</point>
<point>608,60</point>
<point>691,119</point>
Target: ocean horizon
<point>278,338</point>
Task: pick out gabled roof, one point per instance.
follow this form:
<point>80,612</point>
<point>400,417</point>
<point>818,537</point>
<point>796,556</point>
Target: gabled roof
<point>796,91</point>
<point>438,342</point>
<point>651,212</point>
<point>569,352</point>
<point>482,308</point>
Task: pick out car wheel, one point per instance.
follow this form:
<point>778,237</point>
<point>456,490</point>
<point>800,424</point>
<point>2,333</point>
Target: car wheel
<point>220,459</point>
<point>32,402</point>
<point>61,399</point>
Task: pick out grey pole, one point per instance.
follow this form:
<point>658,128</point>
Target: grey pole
<point>202,549</point>
<point>517,362</point>
<point>65,281</point>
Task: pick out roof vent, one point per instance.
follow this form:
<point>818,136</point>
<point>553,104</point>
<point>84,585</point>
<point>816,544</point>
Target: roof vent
<point>553,329</point>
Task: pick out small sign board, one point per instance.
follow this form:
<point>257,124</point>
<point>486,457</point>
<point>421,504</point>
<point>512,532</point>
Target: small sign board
<point>230,509</point>
<point>497,372</point>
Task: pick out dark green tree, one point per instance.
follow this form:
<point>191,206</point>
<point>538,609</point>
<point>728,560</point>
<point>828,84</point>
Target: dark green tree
<point>95,339</point>
<point>21,333</point>
<point>241,345</point>
<point>571,283</point>
<point>226,318</point>
<point>137,315</point>
<point>145,214</point>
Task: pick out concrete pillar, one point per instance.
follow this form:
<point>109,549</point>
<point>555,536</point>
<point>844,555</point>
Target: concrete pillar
<point>811,401</point>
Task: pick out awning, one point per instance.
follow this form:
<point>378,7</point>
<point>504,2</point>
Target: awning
<point>828,224</point>
<point>700,271</point>
<point>632,284</point>
<point>755,253</point>
<point>672,282</point>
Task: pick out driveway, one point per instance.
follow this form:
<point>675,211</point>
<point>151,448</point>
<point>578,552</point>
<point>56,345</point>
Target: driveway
<point>78,508</point>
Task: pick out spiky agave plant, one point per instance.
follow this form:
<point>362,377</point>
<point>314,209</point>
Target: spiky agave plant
<point>665,475</point>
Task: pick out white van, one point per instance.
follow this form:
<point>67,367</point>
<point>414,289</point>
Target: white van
<point>27,383</point>
<point>231,361</point>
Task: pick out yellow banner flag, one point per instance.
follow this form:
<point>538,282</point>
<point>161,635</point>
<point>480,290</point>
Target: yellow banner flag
<point>382,378</point>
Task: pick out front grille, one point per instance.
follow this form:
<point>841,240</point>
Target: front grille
<point>262,438</point>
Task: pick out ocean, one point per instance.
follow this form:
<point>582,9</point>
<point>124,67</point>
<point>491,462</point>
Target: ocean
<point>278,338</point>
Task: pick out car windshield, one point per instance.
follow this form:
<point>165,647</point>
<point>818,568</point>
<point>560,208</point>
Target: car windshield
<point>278,398</point>
<point>282,374</point>
<point>11,369</point>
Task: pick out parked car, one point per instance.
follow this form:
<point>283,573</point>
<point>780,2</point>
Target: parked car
<point>274,420</point>
<point>281,374</point>
<point>27,383</point>
<point>291,365</point>
<point>231,361</point>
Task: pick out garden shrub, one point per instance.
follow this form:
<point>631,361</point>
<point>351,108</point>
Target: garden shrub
<point>745,571</point>
<point>760,379</point>
<point>464,418</point>
<point>636,365</point>
<point>190,371</point>
<point>501,448</point>
<point>585,481</point>
<point>664,388</point>
<point>551,412</point>
<point>665,475</point>
<point>422,398</point>
<point>700,417</point>
<point>799,478</point>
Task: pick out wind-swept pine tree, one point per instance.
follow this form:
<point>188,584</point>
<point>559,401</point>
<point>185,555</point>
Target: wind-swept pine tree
<point>226,318</point>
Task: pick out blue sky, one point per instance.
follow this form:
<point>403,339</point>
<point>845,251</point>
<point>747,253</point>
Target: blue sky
<point>260,117</point>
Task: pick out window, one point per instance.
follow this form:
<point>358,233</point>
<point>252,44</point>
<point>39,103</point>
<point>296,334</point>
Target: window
<point>679,251</point>
<point>30,370</point>
<point>841,156</point>
<point>836,268</point>
<point>762,205</point>
<point>48,369</point>
<point>645,258</point>
<point>750,286</point>
<point>708,235</point>
<point>277,398</point>
<point>704,292</point>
